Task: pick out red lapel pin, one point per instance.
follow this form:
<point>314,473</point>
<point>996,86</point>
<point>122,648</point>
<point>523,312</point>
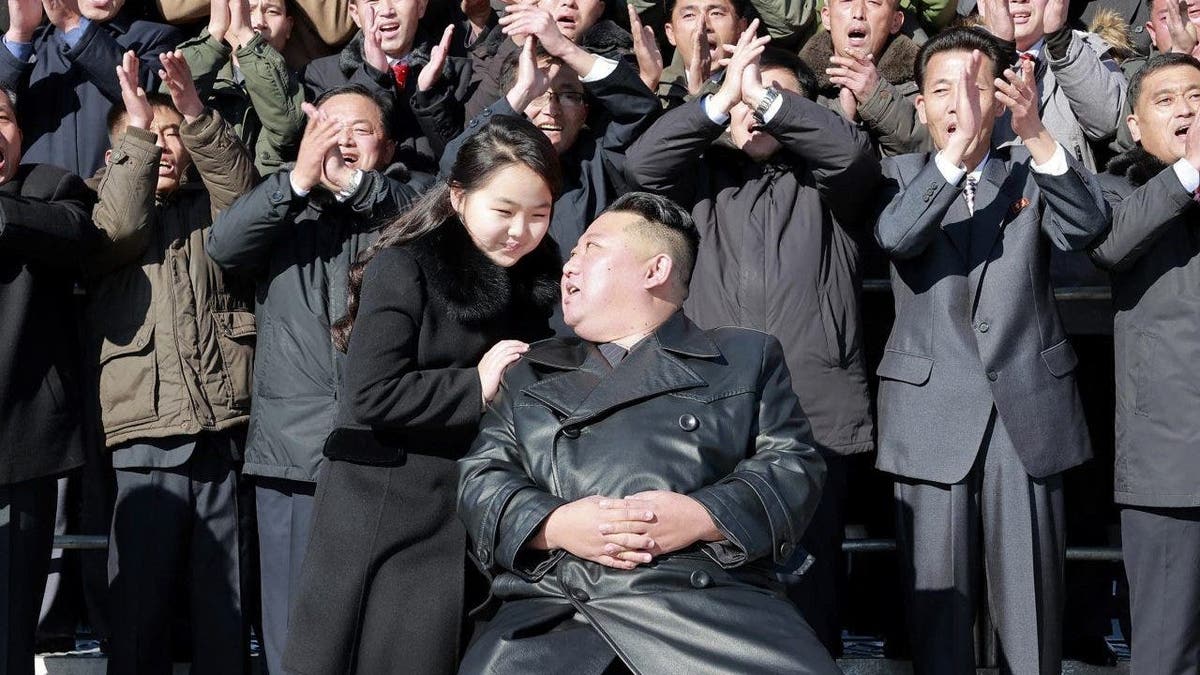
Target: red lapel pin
<point>1019,204</point>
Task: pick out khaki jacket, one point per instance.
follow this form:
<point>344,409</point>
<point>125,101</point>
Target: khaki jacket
<point>171,335</point>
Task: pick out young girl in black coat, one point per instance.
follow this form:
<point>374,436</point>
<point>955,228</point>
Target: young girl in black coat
<point>446,298</point>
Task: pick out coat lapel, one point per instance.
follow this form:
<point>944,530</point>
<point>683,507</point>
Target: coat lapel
<point>999,191</point>
<point>584,367</point>
<point>957,226</point>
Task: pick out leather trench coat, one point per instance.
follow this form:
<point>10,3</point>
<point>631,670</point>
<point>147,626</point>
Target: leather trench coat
<point>710,414</point>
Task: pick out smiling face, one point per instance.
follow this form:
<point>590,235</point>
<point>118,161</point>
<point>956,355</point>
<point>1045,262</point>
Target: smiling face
<point>744,129</point>
<point>718,18</point>
<point>1027,21</point>
<point>1166,108</point>
<point>561,112</point>
<point>10,140</point>
<point>100,10</point>
<point>507,215</point>
<point>269,18</point>
<point>861,27</point>
<point>574,17</point>
<point>938,100</point>
<point>1160,34</point>
<point>397,20</point>
<point>363,140</point>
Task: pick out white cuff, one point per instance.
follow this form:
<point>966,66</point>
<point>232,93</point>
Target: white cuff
<point>295,190</point>
<point>952,174</point>
<point>1187,174</point>
<point>718,119</point>
<point>356,179</point>
<point>1055,166</point>
<point>601,68</point>
<point>773,109</point>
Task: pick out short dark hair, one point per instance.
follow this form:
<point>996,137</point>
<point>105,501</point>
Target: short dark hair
<point>743,8</point>
<point>1153,65</point>
<point>118,114</point>
<point>382,100</point>
<point>665,222</point>
<point>961,40</point>
<point>774,57</point>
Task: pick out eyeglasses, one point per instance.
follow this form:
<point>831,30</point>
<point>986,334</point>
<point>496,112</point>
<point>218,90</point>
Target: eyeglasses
<point>567,99</point>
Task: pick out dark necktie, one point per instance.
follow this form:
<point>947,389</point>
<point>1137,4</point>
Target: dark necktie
<point>969,193</point>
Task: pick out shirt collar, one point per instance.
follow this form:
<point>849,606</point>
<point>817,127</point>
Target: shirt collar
<point>1036,50</point>
<point>978,172</point>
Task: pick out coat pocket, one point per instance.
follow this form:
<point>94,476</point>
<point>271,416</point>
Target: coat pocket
<point>905,367</point>
<point>1145,376</point>
<point>1060,359</point>
<point>235,340</point>
<point>128,380</point>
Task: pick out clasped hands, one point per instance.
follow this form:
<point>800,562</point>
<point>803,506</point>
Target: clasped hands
<point>627,532</point>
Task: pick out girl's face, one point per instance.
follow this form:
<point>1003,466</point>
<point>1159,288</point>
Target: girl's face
<point>508,215</point>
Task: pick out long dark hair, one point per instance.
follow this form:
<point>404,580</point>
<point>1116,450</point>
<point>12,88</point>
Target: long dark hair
<point>503,142</point>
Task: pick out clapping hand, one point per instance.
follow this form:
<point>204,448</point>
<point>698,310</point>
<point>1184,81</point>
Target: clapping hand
<point>178,78</point>
<point>532,81</point>
<point>968,114</point>
<point>432,72</point>
<point>137,107</point>
<point>745,56</point>
<point>645,48</point>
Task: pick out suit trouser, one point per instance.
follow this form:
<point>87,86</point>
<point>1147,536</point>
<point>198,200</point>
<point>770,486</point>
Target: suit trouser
<point>285,509</point>
<point>998,529</point>
<point>1162,560</point>
<point>175,526</point>
<point>26,535</point>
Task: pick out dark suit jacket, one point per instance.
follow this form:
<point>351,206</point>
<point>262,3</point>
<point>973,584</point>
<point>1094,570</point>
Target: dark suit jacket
<point>710,414</point>
<point>1153,253</point>
<point>976,321</point>
<point>45,231</point>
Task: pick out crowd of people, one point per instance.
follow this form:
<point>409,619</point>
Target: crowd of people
<point>527,336</point>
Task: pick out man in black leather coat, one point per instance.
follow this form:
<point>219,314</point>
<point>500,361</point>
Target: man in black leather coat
<point>630,490</point>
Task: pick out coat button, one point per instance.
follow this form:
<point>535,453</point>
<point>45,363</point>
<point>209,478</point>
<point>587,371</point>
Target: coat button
<point>786,549</point>
<point>983,326</point>
<point>701,579</point>
<point>571,432</point>
<point>276,196</point>
<point>688,422</point>
<point>993,375</point>
<point>580,594</point>
<point>485,557</point>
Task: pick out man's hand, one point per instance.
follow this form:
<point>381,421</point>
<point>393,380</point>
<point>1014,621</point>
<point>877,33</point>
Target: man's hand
<point>745,54</point>
<point>857,75</point>
<point>432,72</point>
<point>24,16</point>
<point>240,31</point>
<point>1018,93</point>
<point>645,48</point>
<point>577,529</point>
<point>700,69</point>
<point>1054,16</point>
<point>1182,31</point>
<point>218,19</point>
<point>967,113</point>
<point>178,78</point>
<point>531,82</point>
<point>373,53</point>
<point>137,107</point>
<point>63,14</point>
<point>1191,146</point>
<point>997,19</point>
<point>523,20</point>
<point>678,522</point>
<point>319,140</point>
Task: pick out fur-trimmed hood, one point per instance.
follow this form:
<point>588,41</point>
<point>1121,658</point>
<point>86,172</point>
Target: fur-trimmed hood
<point>896,65</point>
<point>474,288</point>
<point>1136,165</point>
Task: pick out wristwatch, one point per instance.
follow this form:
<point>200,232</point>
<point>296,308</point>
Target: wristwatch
<point>351,187</point>
<point>764,104</point>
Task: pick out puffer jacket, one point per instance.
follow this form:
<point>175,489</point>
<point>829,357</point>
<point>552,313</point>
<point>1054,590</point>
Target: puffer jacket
<point>172,336</point>
<point>299,251</point>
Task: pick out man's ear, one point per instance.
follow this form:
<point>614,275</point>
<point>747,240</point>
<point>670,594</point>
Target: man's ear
<point>1153,36</point>
<point>421,9</point>
<point>386,154</point>
<point>353,9</point>
<point>919,101</point>
<point>897,23</point>
<point>658,272</point>
<point>1135,131</point>
<point>108,157</point>
<point>670,33</point>
<point>457,195</point>
<point>825,16</point>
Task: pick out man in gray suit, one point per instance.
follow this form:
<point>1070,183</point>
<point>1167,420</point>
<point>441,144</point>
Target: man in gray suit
<point>1154,256</point>
<point>978,410</point>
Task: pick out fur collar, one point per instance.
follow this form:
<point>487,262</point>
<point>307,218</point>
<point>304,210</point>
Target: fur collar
<point>607,38</point>
<point>351,57</point>
<point>474,288</point>
<point>1136,165</point>
<point>896,65</point>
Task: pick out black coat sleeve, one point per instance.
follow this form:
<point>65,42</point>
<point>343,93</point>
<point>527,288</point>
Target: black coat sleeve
<point>385,385</point>
<point>1140,217</point>
<point>50,221</point>
<point>664,157</point>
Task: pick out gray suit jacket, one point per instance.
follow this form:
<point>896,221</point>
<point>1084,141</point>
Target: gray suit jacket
<point>976,322</point>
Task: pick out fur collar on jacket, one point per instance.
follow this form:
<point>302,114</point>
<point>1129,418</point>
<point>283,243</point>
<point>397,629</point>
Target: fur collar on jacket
<point>474,288</point>
<point>1136,165</point>
<point>351,57</point>
<point>896,65</point>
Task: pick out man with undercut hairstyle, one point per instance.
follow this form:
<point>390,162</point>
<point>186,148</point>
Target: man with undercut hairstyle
<point>979,414</point>
<point>1153,255</point>
<point>775,184</point>
<point>630,489</point>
